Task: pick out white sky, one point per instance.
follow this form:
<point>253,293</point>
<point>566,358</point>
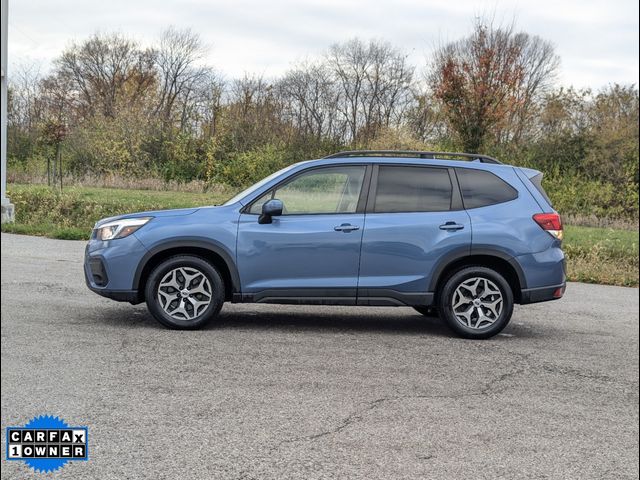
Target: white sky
<point>597,40</point>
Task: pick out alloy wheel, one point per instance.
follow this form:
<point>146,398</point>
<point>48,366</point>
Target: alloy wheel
<point>184,293</point>
<point>477,303</point>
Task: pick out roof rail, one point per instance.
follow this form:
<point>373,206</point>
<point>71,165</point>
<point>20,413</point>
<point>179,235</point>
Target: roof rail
<point>412,153</point>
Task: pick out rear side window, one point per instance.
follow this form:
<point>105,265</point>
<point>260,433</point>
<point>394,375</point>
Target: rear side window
<point>537,182</point>
<point>412,189</point>
<point>480,188</point>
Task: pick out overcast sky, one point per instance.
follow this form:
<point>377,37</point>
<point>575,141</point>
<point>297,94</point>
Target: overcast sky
<point>597,40</point>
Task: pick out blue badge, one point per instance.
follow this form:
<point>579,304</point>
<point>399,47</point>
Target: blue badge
<point>47,443</point>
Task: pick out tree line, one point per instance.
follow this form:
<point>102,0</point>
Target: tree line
<point>109,106</point>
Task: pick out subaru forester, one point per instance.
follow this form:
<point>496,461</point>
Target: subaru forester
<point>455,235</point>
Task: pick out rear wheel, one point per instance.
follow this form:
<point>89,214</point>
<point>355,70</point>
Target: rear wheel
<point>184,292</point>
<point>476,302</point>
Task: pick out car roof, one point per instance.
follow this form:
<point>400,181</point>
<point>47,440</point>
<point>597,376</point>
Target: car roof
<point>390,160</point>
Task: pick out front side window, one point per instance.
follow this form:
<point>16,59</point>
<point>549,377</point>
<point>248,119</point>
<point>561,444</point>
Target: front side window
<point>480,188</point>
<point>321,190</point>
<point>412,189</point>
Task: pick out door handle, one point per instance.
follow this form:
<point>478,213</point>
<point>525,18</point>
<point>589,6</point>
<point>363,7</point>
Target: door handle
<point>346,227</point>
<point>451,226</point>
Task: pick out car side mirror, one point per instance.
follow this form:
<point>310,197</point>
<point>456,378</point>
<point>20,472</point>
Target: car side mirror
<point>272,208</point>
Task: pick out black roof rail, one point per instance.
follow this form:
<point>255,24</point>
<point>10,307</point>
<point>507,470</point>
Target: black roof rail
<point>412,153</point>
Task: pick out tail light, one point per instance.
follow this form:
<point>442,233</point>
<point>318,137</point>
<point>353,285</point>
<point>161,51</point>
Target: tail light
<point>550,222</point>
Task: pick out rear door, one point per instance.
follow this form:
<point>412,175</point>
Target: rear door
<point>414,220</point>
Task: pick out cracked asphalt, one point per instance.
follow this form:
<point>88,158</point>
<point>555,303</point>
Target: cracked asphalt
<point>274,392</point>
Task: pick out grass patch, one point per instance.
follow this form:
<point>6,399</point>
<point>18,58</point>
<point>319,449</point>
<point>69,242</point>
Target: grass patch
<point>602,255</point>
<point>595,255</point>
<point>47,230</point>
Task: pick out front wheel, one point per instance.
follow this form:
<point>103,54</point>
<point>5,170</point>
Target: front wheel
<point>184,292</point>
<point>476,302</point>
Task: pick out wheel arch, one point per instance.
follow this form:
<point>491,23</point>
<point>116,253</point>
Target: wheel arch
<point>211,251</point>
<point>499,261</point>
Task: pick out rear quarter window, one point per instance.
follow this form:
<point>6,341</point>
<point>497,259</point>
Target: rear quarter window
<point>537,182</point>
<point>480,188</point>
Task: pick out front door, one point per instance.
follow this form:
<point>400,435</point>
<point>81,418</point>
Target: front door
<point>312,251</point>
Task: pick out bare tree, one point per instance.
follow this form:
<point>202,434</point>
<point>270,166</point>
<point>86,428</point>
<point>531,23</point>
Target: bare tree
<point>310,100</point>
<point>177,60</point>
<point>104,71</point>
<point>201,105</point>
<point>388,83</point>
<point>374,83</point>
<point>254,113</point>
<point>26,108</point>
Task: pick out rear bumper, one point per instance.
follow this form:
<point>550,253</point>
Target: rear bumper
<point>542,294</point>
<point>545,275</point>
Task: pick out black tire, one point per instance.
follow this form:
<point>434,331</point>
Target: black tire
<point>446,294</point>
<point>430,311</point>
<point>191,263</point>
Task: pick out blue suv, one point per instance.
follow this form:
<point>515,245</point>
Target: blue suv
<point>463,240</point>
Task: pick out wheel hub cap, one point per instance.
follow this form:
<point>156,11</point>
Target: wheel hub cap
<point>477,303</point>
<point>184,293</point>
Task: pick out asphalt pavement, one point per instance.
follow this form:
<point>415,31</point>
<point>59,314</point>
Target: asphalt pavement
<point>296,392</point>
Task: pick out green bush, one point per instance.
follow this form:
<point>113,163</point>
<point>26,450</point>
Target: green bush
<point>576,195</point>
<point>244,168</point>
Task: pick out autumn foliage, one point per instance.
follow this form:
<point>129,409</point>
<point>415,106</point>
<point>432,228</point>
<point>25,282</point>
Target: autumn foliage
<point>161,112</point>
<point>489,81</point>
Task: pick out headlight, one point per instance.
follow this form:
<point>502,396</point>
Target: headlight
<point>120,228</point>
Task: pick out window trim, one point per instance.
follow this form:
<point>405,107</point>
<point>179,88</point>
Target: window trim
<point>362,199</point>
<point>517,195</point>
<point>456,196</point>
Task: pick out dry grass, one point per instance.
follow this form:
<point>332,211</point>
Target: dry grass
<point>595,266</point>
<point>123,182</point>
<point>594,221</point>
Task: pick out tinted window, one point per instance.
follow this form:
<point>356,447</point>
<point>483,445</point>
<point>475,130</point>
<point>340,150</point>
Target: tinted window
<point>537,182</point>
<point>412,189</point>
<point>480,188</point>
<point>321,190</point>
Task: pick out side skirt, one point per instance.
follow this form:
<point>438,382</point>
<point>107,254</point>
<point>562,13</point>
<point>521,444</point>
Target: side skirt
<point>364,297</point>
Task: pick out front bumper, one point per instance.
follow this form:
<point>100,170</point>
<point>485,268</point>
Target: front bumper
<point>130,296</point>
<point>110,266</point>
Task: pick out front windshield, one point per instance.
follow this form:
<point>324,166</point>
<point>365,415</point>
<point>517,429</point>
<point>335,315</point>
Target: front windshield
<point>256,186</point>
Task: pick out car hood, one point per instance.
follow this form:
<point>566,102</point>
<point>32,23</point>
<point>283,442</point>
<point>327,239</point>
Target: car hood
<point>179,212</point>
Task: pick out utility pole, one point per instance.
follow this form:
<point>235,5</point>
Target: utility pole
<point>7,206</point>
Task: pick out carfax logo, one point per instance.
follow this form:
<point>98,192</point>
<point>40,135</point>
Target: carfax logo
<point>47,443</point>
